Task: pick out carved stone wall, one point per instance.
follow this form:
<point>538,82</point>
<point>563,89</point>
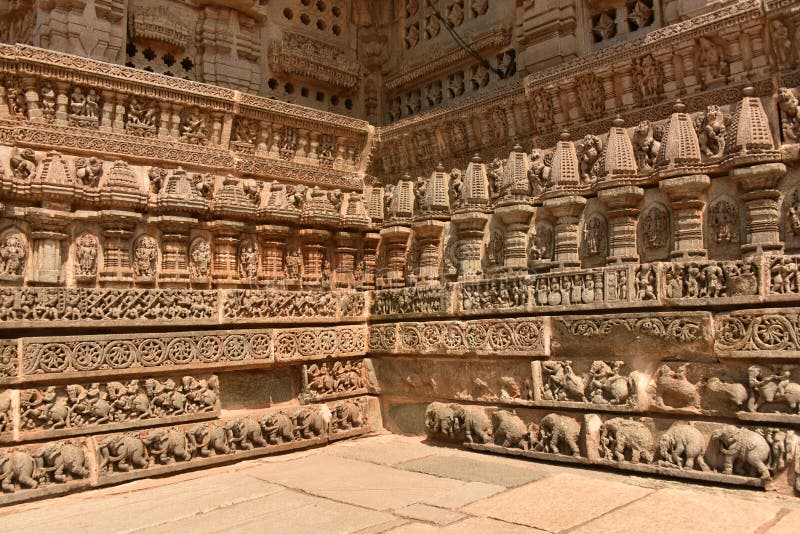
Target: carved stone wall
<point>584,250</point>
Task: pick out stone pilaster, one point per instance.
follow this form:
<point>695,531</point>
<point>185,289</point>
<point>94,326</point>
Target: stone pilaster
<point>315,255</point>
<point>345,258</point>
<point>429,236</point>
<point>47,237</point>
<point>369,257</point>
<point>117,231</point>
<point>225,252</point>
<point>273,251</point>
<point>470,227</point>
<point>686,196</point>
<point>623,213</point>
<point>567,211</point>
<point>394,240</point>
<point>517,219</point>
<point>761,200</point>
<point>174,256</point>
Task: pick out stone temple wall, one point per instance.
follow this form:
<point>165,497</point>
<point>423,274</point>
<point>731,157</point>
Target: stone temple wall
<point>596,263</point>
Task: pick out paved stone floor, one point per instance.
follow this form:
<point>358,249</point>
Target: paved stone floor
<point>400,484</point>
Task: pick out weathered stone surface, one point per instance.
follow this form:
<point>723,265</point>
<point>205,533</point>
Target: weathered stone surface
<point>472,470</point>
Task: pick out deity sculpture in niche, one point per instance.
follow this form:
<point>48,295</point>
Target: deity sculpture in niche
<point>648,79</point>
<point>84,107</point>
<point>541,242</point>
<point>47,98</point>
<point>724,222</point>
<point>13,252</point>
<point>145,257</point>
<point>595,236</point>
<point>712,65</point>
<point>193,128</point>
<point>142,117</point>
<point>248,260</point>
<point>200,259</point>
<point>655,227</point>
<point>86,255</point>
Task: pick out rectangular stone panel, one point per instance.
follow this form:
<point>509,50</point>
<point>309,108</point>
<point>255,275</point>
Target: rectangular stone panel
<point>767,333</point>
<point>342,378</point>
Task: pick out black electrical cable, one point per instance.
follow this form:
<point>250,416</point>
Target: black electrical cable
<point>464,45</point>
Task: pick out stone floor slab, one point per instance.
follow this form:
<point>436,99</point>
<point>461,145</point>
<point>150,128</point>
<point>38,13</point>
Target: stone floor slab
<point>137,509</point>
<point>385,450</point>
<point>361,483</point>
<point>287,511</point>
<point>476,469</point>
<point>463,495</point>
<point>431,514</point>
<point>558,502</point>
<point>470,525</point>
<point>788,524</point>
<point>669,511</point>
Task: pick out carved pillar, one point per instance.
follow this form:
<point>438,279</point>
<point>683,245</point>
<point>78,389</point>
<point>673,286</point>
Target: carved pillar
<point>117,233</point>
<point>394,240</point>
<point>225,252</point>
<point>345,258</point>
<point>315,255</point>
<point>517,219</point>
<point>165,122</point>
<point>567,211</point>
<point>370,256</point>
<point>107,111</point>
<point>216,129</point>
<point>119,113</point>
<point>175,121</point>
<point>470,226</point>
<point>174,257</point>
<point>685,193</point>
<point>47,236</point>
<point>273,250</point>
<point>761,201</point>
<point>62,100</point>
<point>429,235</point>
<point>622,217</point>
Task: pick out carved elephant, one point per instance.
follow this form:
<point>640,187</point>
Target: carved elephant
<point>277,428</point>
<point>618,435</point>
<point>347,415</point>
<point>311,421</point>
<point>474,423</point>
<point>244,433</point>
<point>60,462</point>
<point>123,453</point>
<point>681,446</point>
<point>510,430</point>
<point>17,468</point>
<point>440,419</point>
<point>555,430</point>
<point>209,439</point>
<point>743,448</point>
<point>167,445</point>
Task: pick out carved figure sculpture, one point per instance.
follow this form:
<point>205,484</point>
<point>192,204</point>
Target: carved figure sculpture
<point>674,390</point>
<point>89,170</point>
<point>588,155</point>
<point>790,113</point>
<point>681,446</point>
<point>711,131</point>
<point>619,435</point>
<point>145,257</point>
<point>347,415</point>
<point>200,259</point>
<point>86,255</point>
<point>209,439</point>
<point>473,422</point>
<point>743,450</point>
<point>122,453</point>
<point>12,255</point>
<point>539,173</point>
<point>167,445</point>
<point>556,430</point>
<point>23,163</point>
<point>736,393</point>
<point>60,462</point>
<point>277,428</point>
<point>17,468</point>
<point>440,419</point>
<point>244,433</point>
<point>562,382</point>
<point>311,421</point>
<point>646,144</point>
<point>510,431</point>
<point>771,389</point>
<point>5,410</point>
<point>606,381</point>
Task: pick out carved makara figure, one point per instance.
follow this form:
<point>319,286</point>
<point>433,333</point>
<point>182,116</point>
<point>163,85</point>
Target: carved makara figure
<point>646,145</point>
<point>588,155</point>
<point>681,446</point>
<point>710,129</point>
<point>13,253</point>
<point>145,257</point>
<point>558,434</point>
<point>200,259</point>
<point>744,451</point>
<point>620,435</point>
